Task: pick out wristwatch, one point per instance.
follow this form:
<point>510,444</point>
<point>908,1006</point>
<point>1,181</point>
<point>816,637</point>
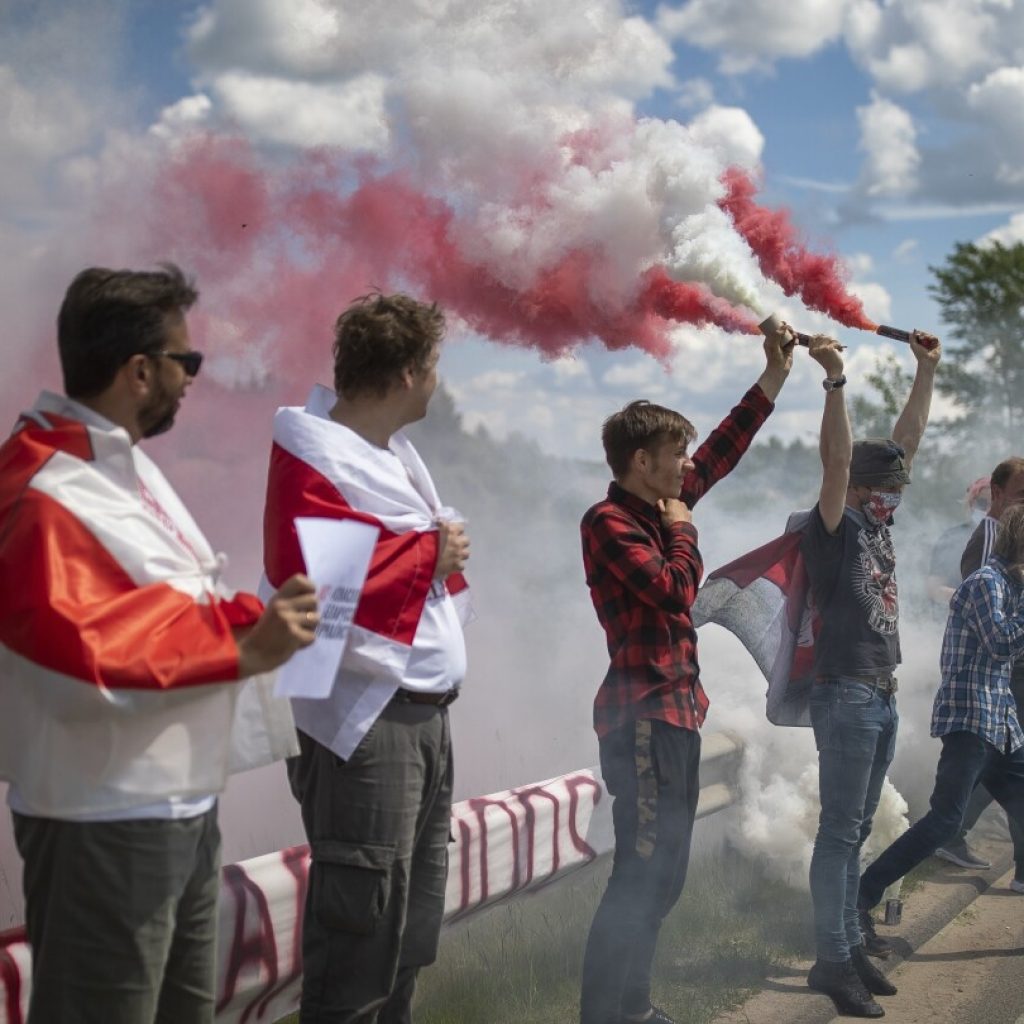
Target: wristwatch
<point>833,383</point>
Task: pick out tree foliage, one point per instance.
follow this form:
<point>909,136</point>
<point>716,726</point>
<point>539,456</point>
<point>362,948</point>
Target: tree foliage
<point>980,290</point>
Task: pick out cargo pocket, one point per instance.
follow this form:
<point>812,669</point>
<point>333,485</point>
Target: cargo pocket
<point>351,883</point>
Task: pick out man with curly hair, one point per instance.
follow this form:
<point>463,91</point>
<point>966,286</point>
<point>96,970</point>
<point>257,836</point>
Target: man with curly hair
<point>374,777</point>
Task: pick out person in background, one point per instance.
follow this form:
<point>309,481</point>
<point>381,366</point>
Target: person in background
<point>1007,489</point>
<point>974,714</point>
<point>121,652</point>
<point>944,574</point>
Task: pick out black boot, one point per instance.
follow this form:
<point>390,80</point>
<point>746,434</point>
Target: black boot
<point>847,991</point>
<point>874,944</point>
<point>874,980</point>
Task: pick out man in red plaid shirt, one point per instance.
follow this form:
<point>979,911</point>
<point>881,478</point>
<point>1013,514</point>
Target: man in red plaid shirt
<point>643,568</point>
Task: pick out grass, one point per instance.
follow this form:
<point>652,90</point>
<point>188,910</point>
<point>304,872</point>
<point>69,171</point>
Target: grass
<point>520,962</point>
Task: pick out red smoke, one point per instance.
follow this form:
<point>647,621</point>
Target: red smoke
<point>817,279</point>
<point>280,253</point>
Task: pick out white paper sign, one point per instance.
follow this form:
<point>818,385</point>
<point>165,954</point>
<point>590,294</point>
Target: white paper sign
<point>337,554</point>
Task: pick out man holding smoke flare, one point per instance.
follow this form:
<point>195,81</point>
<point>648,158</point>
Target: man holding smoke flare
<point>974,714</point>
<point>643,568</point>
<point>851,565</point>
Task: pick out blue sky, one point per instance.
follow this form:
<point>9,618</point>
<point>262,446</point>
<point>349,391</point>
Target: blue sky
<point>891,132</point>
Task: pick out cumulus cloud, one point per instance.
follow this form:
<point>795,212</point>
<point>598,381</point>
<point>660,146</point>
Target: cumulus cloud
<point>889,139</point>
<point>999,100</point>
<point>909,45</point>
<point>1011,233</point>
<point>349,115</point>
<point>695,94</point>
<point>751,32</point>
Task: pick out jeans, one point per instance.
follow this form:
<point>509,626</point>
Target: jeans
<point>652,771</point>
<point>981,798</point>
<point>965,759</point>
<point>855,731</point>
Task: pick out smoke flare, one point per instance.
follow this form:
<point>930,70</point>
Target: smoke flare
<point>281,251</point>
<point>815,277</point>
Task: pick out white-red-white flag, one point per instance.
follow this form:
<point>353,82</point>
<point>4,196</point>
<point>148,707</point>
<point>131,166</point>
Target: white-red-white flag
<point>763,598</point>
<point>322,469</point>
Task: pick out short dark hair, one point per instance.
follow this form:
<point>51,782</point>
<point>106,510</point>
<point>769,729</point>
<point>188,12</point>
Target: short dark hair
<point>108,316</point>
<point>1006,469</point>
<point>379,337</point>
<point>641,424</point>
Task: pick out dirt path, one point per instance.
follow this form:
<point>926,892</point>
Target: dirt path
<point>963,939</point>
<point>971,972</point>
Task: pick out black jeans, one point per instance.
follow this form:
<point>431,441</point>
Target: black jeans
<point>981,798</point>
<point>651,769</point>
<point>378,827</point>
<point>965,759</point>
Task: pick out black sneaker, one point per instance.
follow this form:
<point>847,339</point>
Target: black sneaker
<point>960,854</point>
<point>841,984</point>
<point>874,980</point>
<point>656,1017</point>
<point>874,944</point>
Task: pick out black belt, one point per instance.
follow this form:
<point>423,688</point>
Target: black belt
<point>440,700</point>
<point>884,683</point>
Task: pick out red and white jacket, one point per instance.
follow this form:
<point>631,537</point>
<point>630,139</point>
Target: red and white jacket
<point>407,630</point>
<point>118,667</point>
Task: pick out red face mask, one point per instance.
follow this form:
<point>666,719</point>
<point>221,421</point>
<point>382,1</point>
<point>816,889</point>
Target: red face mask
<point>880,505</point>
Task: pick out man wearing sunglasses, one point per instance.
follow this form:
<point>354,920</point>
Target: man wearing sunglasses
<point>120,656</point>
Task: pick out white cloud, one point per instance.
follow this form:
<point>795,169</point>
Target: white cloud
<point>731,133</point>
<point>638,374</point>
<point>749,32</point>
<point>876,298</point>
<point>349,115</point>
<point>999,101</point>
<point>184,116</point>
<point>1011,233</point>
<point>695,94</point>
<point>889,138</point>
<point>905,250</point>
<point>909,45</point>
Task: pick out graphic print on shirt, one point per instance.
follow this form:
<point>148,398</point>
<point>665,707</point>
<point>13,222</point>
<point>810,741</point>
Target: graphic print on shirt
<point>874,580</point>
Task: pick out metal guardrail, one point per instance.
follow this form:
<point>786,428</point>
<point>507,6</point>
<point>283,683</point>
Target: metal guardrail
<point>505,844</point>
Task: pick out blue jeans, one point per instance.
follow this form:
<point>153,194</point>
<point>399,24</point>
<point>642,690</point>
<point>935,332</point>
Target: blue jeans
<point>965,760</point>
<point>855,731</point>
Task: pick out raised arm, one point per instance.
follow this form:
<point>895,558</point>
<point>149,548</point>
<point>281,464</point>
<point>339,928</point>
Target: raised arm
<point>725,446</point>
<point>836,443</point>
<point>910,426</point>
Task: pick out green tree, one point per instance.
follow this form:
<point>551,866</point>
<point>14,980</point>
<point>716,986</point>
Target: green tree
<point>876,416</point>
<point>980,290</point>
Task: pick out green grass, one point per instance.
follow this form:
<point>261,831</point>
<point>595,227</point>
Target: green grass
<point>520,962</point>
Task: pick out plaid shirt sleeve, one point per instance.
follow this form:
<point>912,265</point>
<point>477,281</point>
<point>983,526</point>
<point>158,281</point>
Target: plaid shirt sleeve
<point>668,581</point>
<point>982,599</point>
<point>718,455</point>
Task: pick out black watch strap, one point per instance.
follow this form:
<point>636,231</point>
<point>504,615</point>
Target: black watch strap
<point>833,383</point>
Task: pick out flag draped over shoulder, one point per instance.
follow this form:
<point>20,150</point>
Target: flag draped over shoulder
<point>118,665</point>
<point>320,468</point>
<point>763,598</point>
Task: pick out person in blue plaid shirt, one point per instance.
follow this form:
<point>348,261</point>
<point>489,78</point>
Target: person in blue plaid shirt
<point>974,714</point>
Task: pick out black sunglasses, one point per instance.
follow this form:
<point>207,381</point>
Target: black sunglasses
<point>189,361</point>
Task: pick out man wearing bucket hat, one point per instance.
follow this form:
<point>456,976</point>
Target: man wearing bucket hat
<point>851,565</point>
